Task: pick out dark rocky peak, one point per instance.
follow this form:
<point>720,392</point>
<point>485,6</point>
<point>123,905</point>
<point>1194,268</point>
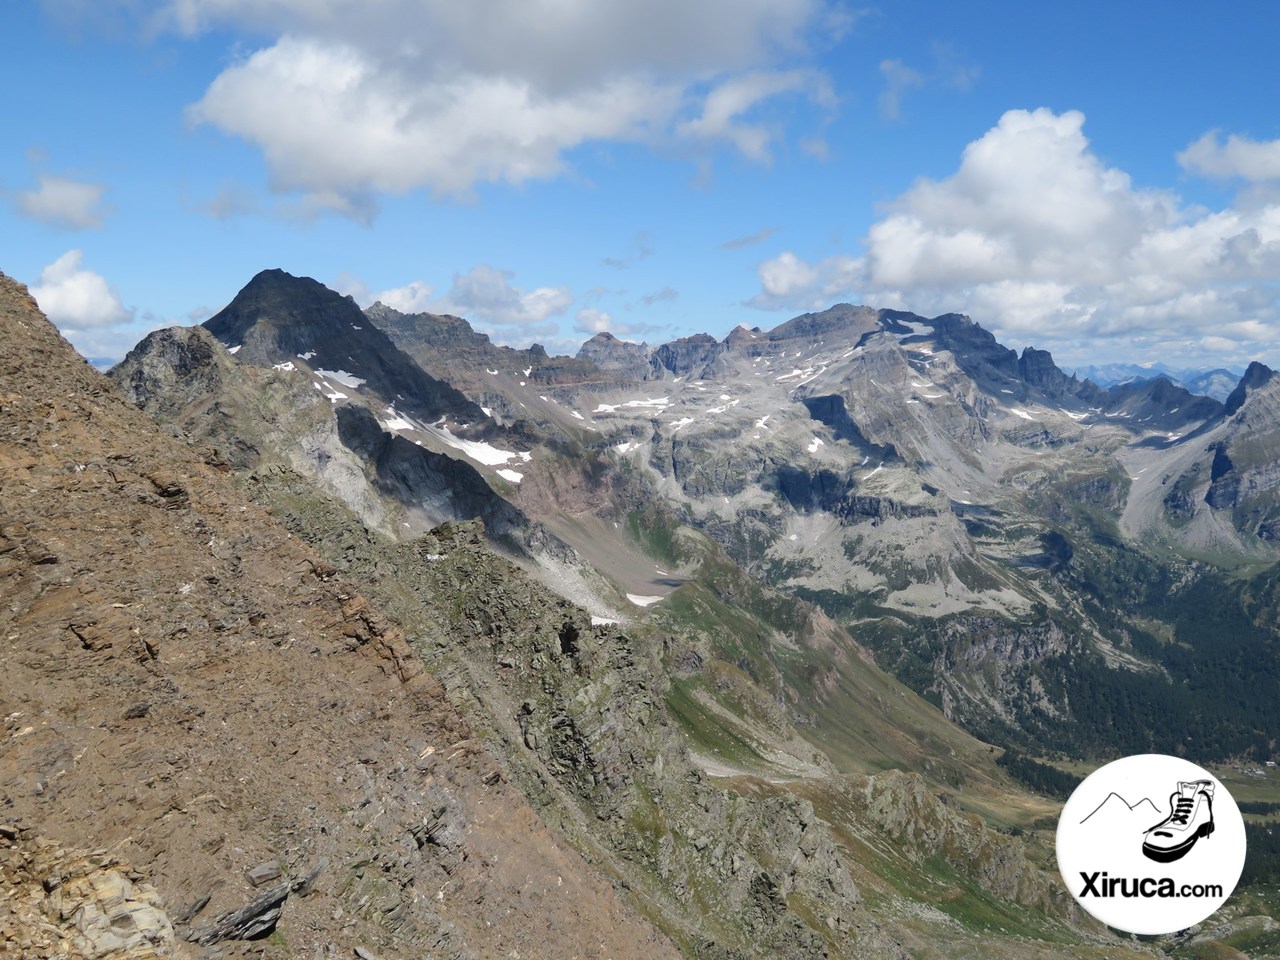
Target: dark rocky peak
<point>1257,376</point>
<point>1160,402</point>
<point>844,320</point>
<point>689,356</point>
<point>278,317</point>
<point>1037,369</point>
<point>620,358</point>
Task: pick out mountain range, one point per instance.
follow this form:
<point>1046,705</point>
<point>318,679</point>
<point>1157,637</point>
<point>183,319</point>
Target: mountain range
<point>734,629</point>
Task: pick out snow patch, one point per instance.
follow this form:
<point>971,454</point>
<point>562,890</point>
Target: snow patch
<point>477,450</point>
<point>578,416</point>
<point>602,622</point>
<point>331,392</point>
<point>342,377</point>
<point>511,475</point>
<point>286,367</point>
<point>641,601</point>
<point>234,350</point>
<point>647,402</point>
<point>813,447</point>
<point>1021,413</point>
<point>487,411</point>
<point>397,422</point>
<point>305,356</point>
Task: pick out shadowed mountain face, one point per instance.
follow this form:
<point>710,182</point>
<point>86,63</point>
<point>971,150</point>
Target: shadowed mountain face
<point>278,318</point>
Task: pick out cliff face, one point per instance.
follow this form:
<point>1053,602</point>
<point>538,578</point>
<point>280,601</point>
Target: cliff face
<point>192,691</point>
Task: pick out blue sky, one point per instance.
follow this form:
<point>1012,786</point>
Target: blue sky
<point>1102,180</point>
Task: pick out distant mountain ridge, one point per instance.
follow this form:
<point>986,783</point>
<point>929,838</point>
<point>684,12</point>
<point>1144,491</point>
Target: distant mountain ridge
<point>1216,383</point>
<point>922,483</point>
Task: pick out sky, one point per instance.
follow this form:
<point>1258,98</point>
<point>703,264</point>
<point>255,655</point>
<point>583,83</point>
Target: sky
<point>1097,179</point>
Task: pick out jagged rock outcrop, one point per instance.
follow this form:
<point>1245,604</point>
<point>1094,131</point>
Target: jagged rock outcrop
<point>693,356</point>
<point>1258,375</point>
<point>56,902</point>
<point>926,825</point>
<point>449,348</point>
<point>621,359</point>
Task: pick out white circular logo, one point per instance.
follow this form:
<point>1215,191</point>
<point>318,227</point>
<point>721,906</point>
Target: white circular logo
<point>1151,844</point>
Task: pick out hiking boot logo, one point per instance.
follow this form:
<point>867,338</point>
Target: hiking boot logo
<point>1126,856</point>
<point>1190,818</point>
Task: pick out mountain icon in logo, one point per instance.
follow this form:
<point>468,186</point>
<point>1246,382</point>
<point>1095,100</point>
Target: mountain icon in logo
<point>1117,810</point>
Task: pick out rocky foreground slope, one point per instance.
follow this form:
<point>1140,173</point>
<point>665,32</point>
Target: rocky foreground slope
<point>207,735</point>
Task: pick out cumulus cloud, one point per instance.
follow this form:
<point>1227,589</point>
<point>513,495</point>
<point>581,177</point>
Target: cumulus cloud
<point>593,321</point>
<point>787,282</point>
<point>484,295</point>
<point>1040,240</point>
<point>413,297</point>
<point>78,299</point>
<point>70,204</point>
<point>446,95</point>
<point>1237,157</point>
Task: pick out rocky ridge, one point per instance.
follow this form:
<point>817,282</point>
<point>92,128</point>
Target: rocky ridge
<point>193,690</point>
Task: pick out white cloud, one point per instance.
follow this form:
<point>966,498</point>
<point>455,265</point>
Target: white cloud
<point>1040,241</point>
<point>446,95</point>
<point>1237,157</point>
<point>486,293</point>
<point>413,297</point>
<point>787,282</point>
<point>483,295</point>
<point>730,100</point>
<point>555,44</point>
<point>593,321</point>
<point>70,204</point>
<point>77,299</point>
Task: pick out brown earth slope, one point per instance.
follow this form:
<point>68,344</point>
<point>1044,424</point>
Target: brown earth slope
<point>188,695</point>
